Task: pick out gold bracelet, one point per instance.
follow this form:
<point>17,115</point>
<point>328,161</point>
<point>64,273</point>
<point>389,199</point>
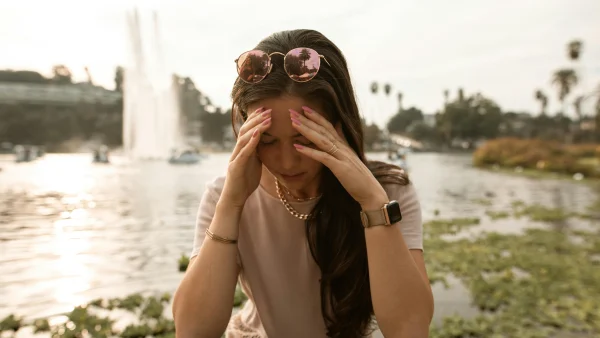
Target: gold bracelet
<point>219,238</point>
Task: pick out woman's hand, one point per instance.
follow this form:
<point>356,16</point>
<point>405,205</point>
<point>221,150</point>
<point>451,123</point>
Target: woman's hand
<point>333,151</point>
<point>244,170</point>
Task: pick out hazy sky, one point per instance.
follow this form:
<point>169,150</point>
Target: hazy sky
<point>505,49</point>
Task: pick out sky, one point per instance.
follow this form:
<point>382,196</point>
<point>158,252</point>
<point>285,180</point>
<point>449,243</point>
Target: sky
<point>503,49</point>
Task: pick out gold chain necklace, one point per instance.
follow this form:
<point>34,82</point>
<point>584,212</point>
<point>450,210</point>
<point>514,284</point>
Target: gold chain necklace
<point>297,198</point>
<point>287,205</point>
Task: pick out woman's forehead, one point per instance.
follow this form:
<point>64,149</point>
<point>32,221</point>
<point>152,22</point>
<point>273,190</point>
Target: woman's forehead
<point>282,104</point>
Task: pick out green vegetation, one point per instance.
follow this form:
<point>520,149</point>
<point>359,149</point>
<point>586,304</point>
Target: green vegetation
<point>543,283</point>
<point>184,261</point>
<point>541,156</point>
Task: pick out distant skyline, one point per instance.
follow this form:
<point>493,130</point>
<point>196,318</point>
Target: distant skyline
<point>505,50</point>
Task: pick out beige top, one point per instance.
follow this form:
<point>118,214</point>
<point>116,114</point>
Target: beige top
<point>278,273</point>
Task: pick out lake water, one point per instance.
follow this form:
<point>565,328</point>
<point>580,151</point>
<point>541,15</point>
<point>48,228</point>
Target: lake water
<point>72,231</point>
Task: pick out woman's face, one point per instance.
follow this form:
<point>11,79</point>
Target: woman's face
<point>276,147</point>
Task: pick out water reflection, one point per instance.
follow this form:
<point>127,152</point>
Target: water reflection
<point>71,231</point>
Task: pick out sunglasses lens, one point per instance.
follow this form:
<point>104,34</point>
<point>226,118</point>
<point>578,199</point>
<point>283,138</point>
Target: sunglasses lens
<point>302,64</point>
<point>253,66</point>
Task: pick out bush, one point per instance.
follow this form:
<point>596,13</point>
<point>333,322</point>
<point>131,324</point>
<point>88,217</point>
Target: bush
<point>538,155</point>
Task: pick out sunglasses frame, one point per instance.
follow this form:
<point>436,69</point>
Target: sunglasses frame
<point>271,63</point>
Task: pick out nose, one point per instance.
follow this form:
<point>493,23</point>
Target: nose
<point>289,158</point>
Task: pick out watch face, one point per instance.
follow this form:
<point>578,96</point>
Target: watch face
<point>393,210</point>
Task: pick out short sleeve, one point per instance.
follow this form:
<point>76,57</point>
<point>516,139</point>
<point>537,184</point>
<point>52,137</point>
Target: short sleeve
<point>411,224</point>
<point>206,211</point>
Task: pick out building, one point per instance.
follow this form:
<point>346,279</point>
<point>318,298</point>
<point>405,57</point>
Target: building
<point>56,94</point>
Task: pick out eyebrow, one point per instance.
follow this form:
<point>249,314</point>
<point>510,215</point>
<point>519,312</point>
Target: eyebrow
<point>295,135</point>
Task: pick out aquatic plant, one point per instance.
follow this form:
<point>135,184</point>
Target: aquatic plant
<point>184,261</point>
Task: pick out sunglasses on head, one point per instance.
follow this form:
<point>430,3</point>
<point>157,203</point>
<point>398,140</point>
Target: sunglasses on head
<point>301,64</point>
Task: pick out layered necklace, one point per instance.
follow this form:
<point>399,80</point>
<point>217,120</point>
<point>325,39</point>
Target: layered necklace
<point>287,205</point>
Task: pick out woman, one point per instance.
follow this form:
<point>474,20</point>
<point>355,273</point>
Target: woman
<point>311,229</point>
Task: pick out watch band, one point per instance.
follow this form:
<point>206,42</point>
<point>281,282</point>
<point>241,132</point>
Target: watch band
<point>372,218</point>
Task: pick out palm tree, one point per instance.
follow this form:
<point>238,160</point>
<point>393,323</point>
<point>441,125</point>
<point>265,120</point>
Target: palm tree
<point>89,75</point>
<point>375,105</point>
<point>577,106</point>
<point>543,99</point>
<point>387,88</point>
<point>574,49</point>
<point>400,101</point>
<point>304,56</point>
<point>564,80</point>
<point>374,87</point>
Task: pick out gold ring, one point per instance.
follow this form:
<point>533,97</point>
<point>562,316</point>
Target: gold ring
<point>333,149</point>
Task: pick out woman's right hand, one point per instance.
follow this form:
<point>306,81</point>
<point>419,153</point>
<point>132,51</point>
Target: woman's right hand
<point>244,170</point>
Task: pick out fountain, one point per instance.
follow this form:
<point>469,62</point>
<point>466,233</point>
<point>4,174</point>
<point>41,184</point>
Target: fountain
<point>151,114</point>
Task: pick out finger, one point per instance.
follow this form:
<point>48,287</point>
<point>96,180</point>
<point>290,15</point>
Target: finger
<point>254,119</point>
<point>321,121</point>
<point>318,155</point>
<point>250,147</point>
<point>254,113</point>
<point>311,124</point>
<point>244,139</point>
<point>324,142</point>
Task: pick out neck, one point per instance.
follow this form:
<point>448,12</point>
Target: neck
<point>267,181</point>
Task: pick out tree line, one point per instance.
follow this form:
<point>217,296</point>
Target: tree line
<point>468,118</point>
<point>465,118</point>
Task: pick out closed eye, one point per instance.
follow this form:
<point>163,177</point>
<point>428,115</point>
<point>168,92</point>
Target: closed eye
<point>306,143</point>
<point>267,143</point>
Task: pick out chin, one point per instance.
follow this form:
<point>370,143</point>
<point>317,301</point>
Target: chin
<point>296,181</point>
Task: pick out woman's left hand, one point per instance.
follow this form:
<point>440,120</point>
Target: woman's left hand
<point>334,152</point>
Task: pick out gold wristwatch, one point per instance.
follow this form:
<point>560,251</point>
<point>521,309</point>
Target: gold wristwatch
<point>389,214</point>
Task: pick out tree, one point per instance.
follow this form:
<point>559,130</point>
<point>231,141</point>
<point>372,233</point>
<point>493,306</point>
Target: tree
<point>422,132</point>
<point>470,119</point>
<point>400,101</point>
<point>304,56</point>
<point>89,75</point>
<point>62,74</point>
<point>371,134</point>
<point>574,49</point>
<point>119,76</point>
<point>543,99</point>
<point>23,76</point>
<point>374,87</point>
<point>577,107</point>
<point>461,95</point>
<point>214,124</point>
<point>564,80</point>
<point>403,119</point>
<point>387,88</point>
<point>446,96</point>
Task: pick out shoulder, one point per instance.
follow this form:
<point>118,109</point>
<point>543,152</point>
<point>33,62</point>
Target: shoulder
<point>403,193</point>
<point>214,187</point>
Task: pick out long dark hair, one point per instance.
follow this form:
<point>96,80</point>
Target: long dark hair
<point>334,232</point>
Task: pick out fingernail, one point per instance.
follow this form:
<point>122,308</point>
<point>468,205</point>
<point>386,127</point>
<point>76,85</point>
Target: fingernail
<point>265,122</point>
<point>294,113</point>
<point>259,109</point>
<point>307,110</point>
<point>296,122</point>
<point>255,132</point>
<point>298,146</point>
<point>266,112</point>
